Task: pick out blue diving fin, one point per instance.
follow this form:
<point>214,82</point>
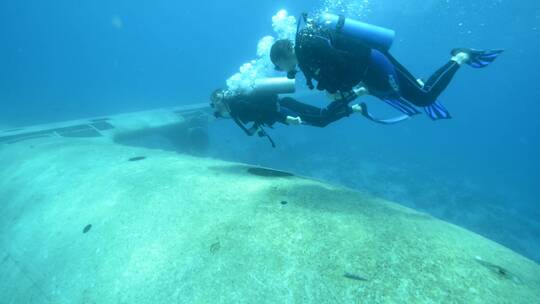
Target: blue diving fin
<point>402,105</point>
<point>389,121</point>
<point>437,111</point>
<point>478,58</point>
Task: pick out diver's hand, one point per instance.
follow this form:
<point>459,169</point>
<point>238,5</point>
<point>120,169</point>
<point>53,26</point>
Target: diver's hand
<point>294,120</point>
<point>357,108</point>
<point>342,96</point>
<point>360,91</point>
<point>333,97</point>
<point>349,95</point>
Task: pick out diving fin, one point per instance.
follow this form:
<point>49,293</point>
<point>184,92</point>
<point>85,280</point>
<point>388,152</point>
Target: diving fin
<point>478,58</point>
<point>402,105</point>
<point>437,111</point>
<point>390,121</point>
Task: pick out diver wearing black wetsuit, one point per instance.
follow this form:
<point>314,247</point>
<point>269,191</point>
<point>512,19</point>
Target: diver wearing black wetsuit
<point>266,109</point>
<point>339,63</point>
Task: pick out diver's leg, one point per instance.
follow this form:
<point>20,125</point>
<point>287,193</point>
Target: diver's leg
<point>384,81</point>
<point>411,90</point>
<point>409,87</point>
<point>404,71</point>
<point>440,80</point>
<point>427,94</point>
<point>396,86</point>
<point>424,95</point>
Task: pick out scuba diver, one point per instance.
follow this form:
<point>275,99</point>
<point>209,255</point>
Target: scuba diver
<point>343,54</point>
<point>264,108</point>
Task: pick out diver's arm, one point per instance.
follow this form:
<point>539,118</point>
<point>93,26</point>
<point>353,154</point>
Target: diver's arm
<point>298,112</point>
<point>288,116</point>
<point>334,112</point>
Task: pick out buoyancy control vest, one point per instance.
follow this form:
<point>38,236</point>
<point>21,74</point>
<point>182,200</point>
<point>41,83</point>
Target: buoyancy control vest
<point>335,50</point>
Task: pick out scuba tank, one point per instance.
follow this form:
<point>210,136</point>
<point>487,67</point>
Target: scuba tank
<point>372,36</point>
<point>276,85</point>
<point>272,85</point>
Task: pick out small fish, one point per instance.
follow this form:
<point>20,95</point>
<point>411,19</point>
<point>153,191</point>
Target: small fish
<point>137,158</point>
<point>353,276</point>
<point>87,228</point>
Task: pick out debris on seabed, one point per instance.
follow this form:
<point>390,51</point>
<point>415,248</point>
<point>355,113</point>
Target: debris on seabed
<point>214,248</point>
<point>265,172</point>
<point>505,273</point>
<point>355,277</point>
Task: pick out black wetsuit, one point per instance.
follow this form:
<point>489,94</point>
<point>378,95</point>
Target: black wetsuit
<point>339,63</point>
<point>267,109</point>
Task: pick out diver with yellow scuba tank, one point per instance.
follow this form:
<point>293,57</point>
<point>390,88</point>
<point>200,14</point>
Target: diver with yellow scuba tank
<point>343,55</point>
<point>262,107</point>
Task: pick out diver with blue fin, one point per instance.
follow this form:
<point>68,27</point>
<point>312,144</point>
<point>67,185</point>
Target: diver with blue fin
<point>351,58</point>
<point>263,107</point>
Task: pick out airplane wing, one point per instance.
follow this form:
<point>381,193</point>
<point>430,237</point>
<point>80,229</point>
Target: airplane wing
<point>116,127</point>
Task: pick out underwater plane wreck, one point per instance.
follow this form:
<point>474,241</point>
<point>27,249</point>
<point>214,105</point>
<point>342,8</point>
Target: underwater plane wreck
<point>89,218</point>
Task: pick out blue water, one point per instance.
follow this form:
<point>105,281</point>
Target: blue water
<point>69,59</point>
